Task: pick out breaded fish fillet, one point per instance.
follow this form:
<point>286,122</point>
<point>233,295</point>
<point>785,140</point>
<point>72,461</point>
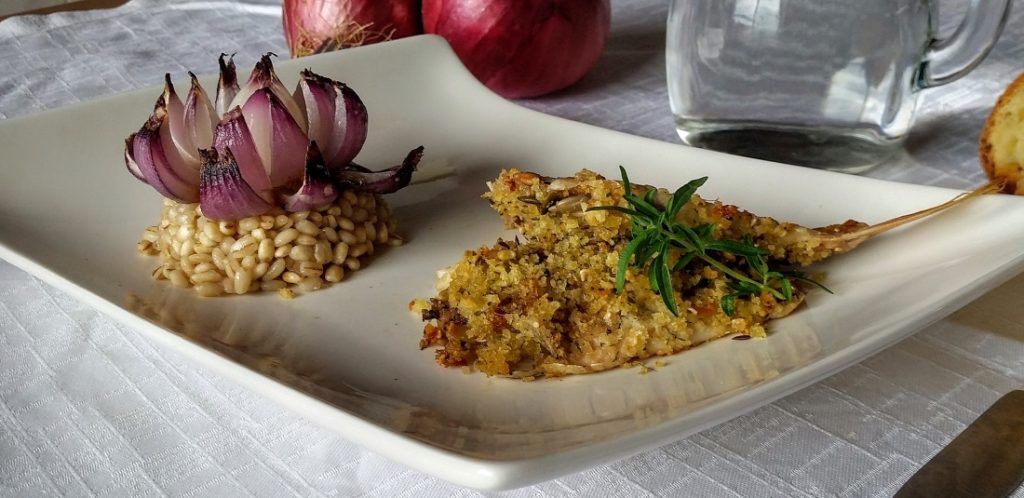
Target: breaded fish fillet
<point>548,306</point>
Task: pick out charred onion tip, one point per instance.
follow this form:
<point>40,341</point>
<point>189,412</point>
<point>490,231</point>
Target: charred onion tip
<point>414,156</point>
<point>227,68</point>
<point>263,74</point>
<point>210,156</point>
<point>168,85</point>
<point>196,87</point>
<point>161,103</point>
<point>157,118</point>
<point>265,64</point>
<point>309,75</point>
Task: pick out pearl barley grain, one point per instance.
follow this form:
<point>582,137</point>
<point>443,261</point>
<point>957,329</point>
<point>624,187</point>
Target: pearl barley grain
<point>276,252</point>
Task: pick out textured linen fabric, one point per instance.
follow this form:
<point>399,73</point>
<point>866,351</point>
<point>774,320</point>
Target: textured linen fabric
<point>90,408</point>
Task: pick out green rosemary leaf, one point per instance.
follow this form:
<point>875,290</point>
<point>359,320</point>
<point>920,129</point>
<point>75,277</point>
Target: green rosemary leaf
<point>684,261</point>
<point>646,251</point>
<point>695,241</point>
<point>624,258</point>
<point>773,275</point>
<point>787,288</point>
<point>652,278</point>
<point>744,288</point>
<point>646,208</point>
<point>728,304</point>
<point>628,189</point>
<point>664,280</point>
<point>803,278</point>
<point>733,247</point>
<point>682,196</point>
<point>705,231</point>
<point>655,233</point>
<point>759,265</point>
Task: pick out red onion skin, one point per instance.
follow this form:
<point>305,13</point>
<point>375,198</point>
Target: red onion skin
<point>223,194</point>
<point>522,48</point>
<point>129,161</point>
<point>384,181</point>
<point>233,134</point>
<point>284,144</point>
<point>308,23</point>
<point>350,114</point>
<point>317,188</point>
<point>337,117</point>
<point>148,154</point>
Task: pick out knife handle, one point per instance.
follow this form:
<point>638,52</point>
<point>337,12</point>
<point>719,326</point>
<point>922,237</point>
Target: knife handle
<point>985,460</point>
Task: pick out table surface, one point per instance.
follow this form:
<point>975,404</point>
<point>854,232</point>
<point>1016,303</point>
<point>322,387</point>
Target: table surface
<point>88,407</point>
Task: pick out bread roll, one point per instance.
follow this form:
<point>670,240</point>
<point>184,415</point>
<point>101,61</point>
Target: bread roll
<point>1001,149</point>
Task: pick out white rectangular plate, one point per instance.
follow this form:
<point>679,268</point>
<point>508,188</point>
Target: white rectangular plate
<point>348,358</point>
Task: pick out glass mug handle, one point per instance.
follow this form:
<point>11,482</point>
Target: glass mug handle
<point>949,58</point>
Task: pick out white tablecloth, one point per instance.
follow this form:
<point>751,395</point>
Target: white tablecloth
<point>88,407</point>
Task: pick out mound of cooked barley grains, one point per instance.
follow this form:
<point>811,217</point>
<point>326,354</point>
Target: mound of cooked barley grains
<point>277,251</point>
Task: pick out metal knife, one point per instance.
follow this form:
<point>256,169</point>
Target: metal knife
<point>985,460</point>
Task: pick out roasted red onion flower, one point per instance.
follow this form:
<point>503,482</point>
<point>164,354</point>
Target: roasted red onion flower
<point>258,146</point>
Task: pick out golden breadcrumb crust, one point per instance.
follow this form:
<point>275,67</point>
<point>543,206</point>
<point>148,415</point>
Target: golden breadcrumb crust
<point>548,306</point>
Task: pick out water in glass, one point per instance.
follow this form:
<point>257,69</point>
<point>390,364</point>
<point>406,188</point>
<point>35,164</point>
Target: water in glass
<point>822,83</point>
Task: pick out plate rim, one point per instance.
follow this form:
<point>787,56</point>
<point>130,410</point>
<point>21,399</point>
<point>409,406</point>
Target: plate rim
<point>478,472</point>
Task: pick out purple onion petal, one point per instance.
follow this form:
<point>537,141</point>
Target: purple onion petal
<point>279,141</point>
<point>184,167</point>
<point>200,117</point>
<point>223,194</point>
<point>317,189</point>
<point>167,157</point>
<point>148,153</point>
<point>350,124</point>
<point>233,133</point>
<point>380,182</point>
<point>289,146</point>
<point>315,96</point>
<point>180,134</point>
<point>227,84</point>
<point>263,77</point>
<point>129,161</point>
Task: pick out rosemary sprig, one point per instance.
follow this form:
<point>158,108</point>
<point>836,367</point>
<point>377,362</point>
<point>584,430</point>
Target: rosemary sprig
<point>656,233</point>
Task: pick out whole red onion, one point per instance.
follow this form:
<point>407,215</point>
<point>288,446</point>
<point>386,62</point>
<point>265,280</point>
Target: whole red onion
<point>522,48</point>
<point>312,26</point>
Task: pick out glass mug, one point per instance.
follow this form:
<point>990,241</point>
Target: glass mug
<point>831,84</point>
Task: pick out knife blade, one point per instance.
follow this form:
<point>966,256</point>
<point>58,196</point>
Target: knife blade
<point>985,460</point>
